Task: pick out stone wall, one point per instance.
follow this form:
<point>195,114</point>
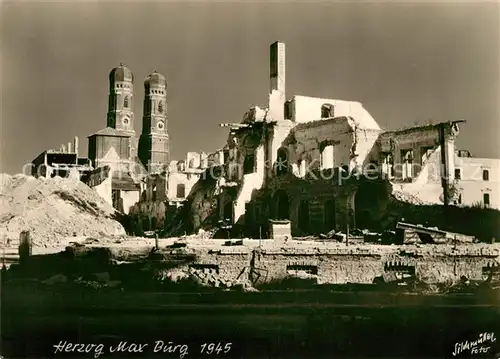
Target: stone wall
<point>340,264</point>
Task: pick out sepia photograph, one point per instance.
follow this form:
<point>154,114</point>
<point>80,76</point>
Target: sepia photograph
<point>249,179</point>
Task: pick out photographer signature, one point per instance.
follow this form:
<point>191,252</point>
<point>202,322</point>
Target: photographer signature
<point>481,345</point>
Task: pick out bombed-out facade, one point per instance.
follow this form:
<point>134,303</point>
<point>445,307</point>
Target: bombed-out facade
<point>321,163</point>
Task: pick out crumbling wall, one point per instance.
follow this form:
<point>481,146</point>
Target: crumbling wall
<point>340,264</point>
<point>200,208</point>
<point>177,178</point>
<point>267,265</point>
<point>326,266</point>
<point>103,183</point>
<point>223,267</point>
<point>130,198</point>
<point>311,135</point>
<point>150,211</point>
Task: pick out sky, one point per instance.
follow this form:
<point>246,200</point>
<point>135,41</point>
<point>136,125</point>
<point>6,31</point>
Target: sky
<point>407,62</point>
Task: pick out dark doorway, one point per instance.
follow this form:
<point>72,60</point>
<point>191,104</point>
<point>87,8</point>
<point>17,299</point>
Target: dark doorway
<point>145,224</point>
<point>366,203</point>
<point>249,163</point>
<point>282,205</point>
<point>304,216</point>
<point>329,215</point>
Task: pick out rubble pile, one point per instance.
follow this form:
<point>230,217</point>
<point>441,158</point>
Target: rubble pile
<point>52,210</point>
<point>408,198</point>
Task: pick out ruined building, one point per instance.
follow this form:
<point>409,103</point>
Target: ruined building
<point>63,162</point>
<point>323,164</point>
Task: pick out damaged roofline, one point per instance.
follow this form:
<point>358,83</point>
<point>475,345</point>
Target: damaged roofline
<point>422,127</point>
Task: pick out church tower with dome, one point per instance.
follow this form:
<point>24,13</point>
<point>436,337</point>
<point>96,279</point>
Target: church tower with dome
<point>121,99</point>
<point>154,151</point>
<point>116,144</point>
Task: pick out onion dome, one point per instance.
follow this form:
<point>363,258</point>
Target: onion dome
<point>155,79</point>
<point>121,73</point>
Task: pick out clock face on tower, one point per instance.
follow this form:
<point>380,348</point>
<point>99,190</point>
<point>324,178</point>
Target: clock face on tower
<point>160,125</point>
<point>125,121</point>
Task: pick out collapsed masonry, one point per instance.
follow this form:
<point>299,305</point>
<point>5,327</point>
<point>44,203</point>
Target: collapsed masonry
<point>53,210</point>
<point>323,164</point>
<point>269,264</point>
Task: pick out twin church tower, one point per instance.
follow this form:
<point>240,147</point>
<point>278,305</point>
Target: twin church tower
<point>117,145</point>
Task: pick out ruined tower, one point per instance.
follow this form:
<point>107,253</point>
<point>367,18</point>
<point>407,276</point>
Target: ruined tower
<point>154,142</point>
<point>277,81</point>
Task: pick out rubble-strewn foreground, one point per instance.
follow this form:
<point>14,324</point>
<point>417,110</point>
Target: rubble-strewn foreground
<point>52,210</point>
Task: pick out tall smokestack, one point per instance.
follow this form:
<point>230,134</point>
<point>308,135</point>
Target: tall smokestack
<point>277,81</point>
<point>69,147</point>
<point>75,145</point>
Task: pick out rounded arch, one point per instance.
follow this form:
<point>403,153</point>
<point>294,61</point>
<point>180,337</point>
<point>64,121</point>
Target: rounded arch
<point>281,205</point>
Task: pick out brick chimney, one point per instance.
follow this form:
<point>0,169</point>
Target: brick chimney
<point>277,81</point>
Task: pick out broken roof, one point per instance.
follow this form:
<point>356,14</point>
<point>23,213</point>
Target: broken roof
<point>426,126</point>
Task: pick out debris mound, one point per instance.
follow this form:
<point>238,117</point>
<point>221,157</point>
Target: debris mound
<point>52,210</point>
<point>408,198</point>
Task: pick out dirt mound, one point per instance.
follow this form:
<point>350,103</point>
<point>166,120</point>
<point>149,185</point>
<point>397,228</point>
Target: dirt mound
<point>53,209</point>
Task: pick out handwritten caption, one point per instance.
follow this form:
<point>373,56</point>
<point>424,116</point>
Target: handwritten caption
<point>159,346</point>
<point>481,345</point>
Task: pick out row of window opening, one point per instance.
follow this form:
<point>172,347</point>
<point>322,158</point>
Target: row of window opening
<point>458,174</point>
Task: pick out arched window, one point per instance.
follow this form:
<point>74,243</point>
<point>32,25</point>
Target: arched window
<point>160,107</point>
<point>486,175</point>
<point>125,102</point>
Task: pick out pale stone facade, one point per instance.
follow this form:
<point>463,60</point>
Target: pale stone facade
<point>478,182</point>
